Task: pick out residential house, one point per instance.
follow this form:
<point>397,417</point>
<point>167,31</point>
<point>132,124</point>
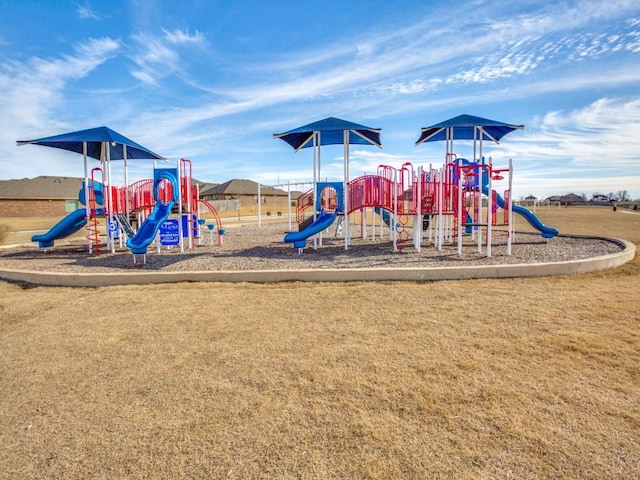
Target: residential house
<point>41,196</point>
<point>243,194</point>
<point>569,199</point>
<point>599,199</point>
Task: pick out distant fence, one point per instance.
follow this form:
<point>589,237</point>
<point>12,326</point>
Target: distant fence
<point>225,205</point>
<point>629,205</point>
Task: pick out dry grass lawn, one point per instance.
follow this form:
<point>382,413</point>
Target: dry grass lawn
<point>515,378</point>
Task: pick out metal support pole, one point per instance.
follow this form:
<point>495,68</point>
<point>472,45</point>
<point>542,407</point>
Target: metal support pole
<point>510,228</point>
<point>259,207</point>
<point>345,193</point>
<point>489,207</point>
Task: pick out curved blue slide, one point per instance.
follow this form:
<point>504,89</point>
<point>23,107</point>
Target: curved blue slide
<point>529,216</point>
<point>386,216</point>
<point>149,228</point>
<point>324,221</point>
<point>65,227</point>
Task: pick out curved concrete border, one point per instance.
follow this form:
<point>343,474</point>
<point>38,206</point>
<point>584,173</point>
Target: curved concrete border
<point>332,275</point>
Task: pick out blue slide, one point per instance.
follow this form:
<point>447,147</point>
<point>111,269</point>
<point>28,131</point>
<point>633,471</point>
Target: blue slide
<point>386,216</point>
<point>324,221</point>
<point>65,227</point>
<point>529,216</point>
<point>149,228</point>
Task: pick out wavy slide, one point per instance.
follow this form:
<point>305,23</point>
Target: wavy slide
<point>65,227</point>
<point>528,215</point>
<point>324,221</point>
<point>386,215</point>
<point>149,228</point>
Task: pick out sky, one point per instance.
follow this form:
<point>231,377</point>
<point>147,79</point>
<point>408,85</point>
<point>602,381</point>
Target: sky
<point>212,81</point>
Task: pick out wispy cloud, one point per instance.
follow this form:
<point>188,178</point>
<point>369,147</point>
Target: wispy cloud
<point>153,57</point>
<point>603,133</point>
<point>596,144</point>
<point>381,72</point>
<point>32,89</point>
<point>32,93</point>
<point>158,56</point>
<point>87,13</point>
<point>178,37</point>
<point>404,62</point>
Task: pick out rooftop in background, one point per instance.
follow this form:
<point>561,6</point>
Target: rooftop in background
<point>41,187</point>
<point>241,187</point>
<point>47,187</point>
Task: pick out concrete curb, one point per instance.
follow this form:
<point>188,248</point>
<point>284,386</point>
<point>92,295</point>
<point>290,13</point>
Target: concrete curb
<point>332,275</point>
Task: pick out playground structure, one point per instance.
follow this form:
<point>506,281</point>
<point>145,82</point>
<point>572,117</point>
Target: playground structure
<point>460,194</point>
<point>460,198</point>
<point>148,204</point>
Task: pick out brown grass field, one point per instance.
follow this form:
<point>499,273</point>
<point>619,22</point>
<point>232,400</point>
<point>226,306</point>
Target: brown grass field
<point>516,378</point>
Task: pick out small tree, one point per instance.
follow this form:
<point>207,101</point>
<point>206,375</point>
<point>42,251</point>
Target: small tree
<point>623,196</point>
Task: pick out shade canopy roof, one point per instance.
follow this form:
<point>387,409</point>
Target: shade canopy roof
<point>467,127</point>
<point>331,132</point>
<point>95,139</point>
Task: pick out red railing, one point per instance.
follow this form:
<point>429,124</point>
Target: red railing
<point>304,201</point>
<point>93,234</point>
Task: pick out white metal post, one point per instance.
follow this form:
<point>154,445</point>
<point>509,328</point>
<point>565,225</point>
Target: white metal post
<point>189,199</point>
<point>460,207</point>
<point>417,234</point>
<point>87,209</point>
<point>316,175</point>
<point>180,229</point>
<point>345,193</point>
<point>392,222</point>
<point>289,202</point>
<point>126,181</point>
<point>478,199</point>
<point>259,207</point>
<point>510,228</point>
<point>110,240</point>
<point>490,208</point>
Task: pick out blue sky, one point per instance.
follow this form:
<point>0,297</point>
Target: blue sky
<point>212,81</point>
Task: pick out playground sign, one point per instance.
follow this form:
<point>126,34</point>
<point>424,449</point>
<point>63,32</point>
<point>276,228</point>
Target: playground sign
<point>169,233</point>
<point>114,230</point>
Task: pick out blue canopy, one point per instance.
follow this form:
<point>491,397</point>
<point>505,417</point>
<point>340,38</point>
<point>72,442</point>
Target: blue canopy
<point>93,143</point>
<point>467,127</point>
<point>95,138</point>
<point>331,132</point>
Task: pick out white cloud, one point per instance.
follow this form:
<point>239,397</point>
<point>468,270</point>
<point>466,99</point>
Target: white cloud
<point>153,58</point>
<point>589,149</point>
<point>85,12</point>
<point>179,37</point>
<point>603,132</point>
<point>406,61</point>
<point>32,89</point>
<point>507,66</point>
<point>422,67</point>
<point>158,56</point>
<point>32,94</point>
